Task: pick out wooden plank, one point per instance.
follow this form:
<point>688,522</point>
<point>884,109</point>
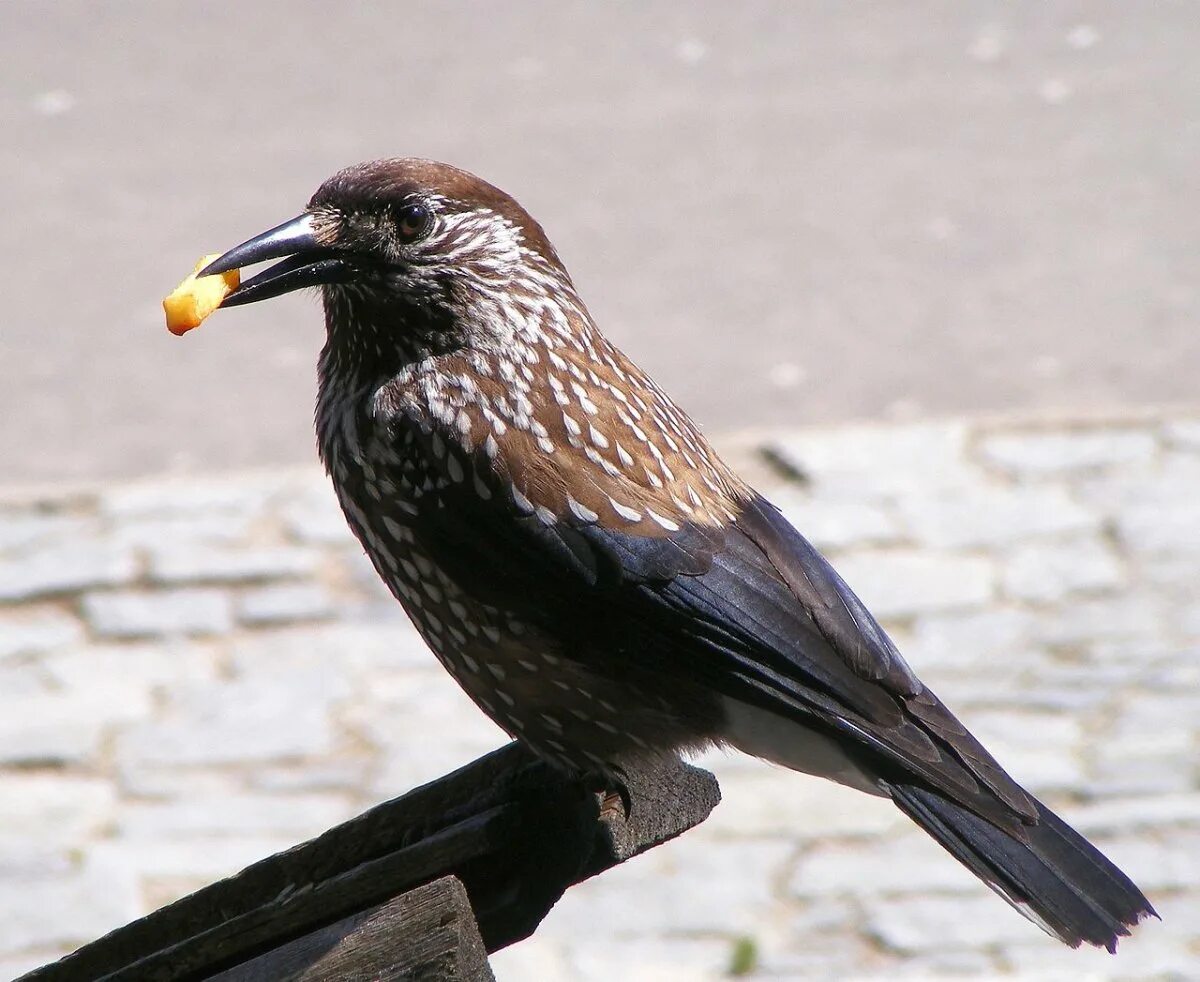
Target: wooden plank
<point>515,831</point>
<point>668,798</point>
<point>425,935</point>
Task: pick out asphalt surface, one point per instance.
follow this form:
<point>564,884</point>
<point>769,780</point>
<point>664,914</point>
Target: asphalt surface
<point>787,212</point>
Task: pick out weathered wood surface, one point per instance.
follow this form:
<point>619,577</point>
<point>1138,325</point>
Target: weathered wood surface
<point>425,935</point>
<point>512,829</point>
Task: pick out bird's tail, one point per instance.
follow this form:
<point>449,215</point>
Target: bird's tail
<point>1056,878</point>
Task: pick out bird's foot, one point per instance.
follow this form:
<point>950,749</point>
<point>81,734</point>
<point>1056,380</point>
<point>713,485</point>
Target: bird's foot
<point>613,794</point>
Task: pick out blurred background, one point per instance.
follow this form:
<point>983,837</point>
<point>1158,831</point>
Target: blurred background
<point>856,211</point>
<point>968,229</point>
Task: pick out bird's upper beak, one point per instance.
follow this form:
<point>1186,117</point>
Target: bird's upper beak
<point>309,262</point>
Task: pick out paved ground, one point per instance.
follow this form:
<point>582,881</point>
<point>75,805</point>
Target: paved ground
<point>854,211</point>
<point>197,673</point>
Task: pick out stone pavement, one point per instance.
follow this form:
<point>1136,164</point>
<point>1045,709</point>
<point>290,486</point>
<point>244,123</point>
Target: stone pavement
<point>195,674</point>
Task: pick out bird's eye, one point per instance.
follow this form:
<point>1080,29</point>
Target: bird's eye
<point>413,221</point>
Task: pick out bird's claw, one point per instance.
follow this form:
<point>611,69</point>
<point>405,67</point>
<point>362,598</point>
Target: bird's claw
<point>613,794</point>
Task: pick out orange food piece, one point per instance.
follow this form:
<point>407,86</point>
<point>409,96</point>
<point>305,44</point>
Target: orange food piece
<point>196,298</point>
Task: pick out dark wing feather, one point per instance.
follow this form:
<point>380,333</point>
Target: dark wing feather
<point>855,635</point>
<point>845,623</point>
<point>750,608</point>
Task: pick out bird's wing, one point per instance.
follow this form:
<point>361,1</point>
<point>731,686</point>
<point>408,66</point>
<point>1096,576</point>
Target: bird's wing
<point>922,735</point>
<point>747,606</point>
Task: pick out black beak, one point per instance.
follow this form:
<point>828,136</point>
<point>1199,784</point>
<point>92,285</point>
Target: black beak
<point>308,262</point>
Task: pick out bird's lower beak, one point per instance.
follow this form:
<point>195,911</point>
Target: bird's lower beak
<point>308,262</point>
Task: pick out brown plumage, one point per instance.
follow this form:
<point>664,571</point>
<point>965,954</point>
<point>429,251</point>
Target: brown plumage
<point>584,564</point>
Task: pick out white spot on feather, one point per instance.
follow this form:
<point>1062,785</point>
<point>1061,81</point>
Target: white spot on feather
<point>580,511</point>
<point>627,513</point>
<point>524,505</point>
<point>666,523</point>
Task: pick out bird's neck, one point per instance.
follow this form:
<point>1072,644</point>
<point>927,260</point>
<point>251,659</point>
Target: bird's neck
<point>368,341</point>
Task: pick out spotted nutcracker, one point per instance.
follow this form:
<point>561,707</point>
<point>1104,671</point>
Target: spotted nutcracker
<point>570,547</point>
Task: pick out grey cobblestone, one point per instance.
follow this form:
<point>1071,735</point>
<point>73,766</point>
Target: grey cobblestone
<point>69,908</point>
<point>195,674</point>
<point>163,664</point>
<point>1041,454</point>
<point>31,630</point>
<point>1161,526</point>
<point>905,583</point>
<point>993,516</point>
<point>756,803</point>
<point>1136,813</point>
<point>1168,961</point>
<point>57,809</point>
<point>955,640</point>
<point>1189,620</point>
<point>907,864</point>
<point>211,527</point>
<point>879,461</point>
<point>21,530</point>
<point>60,569</point>
<point>12,968</point>
<point>410,709</point>
<point>925,923</point>
<point>285,604</point>
<point>20,678</point>
<point>183,562</point>
<point>1042,572</point>
<point>344,774</point>
<point>655,961</point>
<point>832,524</point>
<point>1129,617</point>
<point>1041,750</point>
<point>298,816</point>
<point>1154,509</point>
<point>67,726</point>
<point>188,861</point>
<point>139,614</point>
<point>1172,864</point>
<point>188,497</point>
<point>314,516</point>
<point>240,721</point>
<point>739,894</point>
<point>1183,433</point>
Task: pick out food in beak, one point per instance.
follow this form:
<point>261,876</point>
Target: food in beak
<point>195,298</point>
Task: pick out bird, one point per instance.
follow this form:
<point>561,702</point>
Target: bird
<point>583,563</point>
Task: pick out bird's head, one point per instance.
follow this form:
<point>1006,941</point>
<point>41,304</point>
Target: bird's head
<point>420,240</point>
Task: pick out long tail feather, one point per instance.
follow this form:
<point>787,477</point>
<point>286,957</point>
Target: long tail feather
<point>1057,878</point>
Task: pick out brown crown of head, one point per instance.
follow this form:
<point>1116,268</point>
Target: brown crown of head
<point>387,187</point>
